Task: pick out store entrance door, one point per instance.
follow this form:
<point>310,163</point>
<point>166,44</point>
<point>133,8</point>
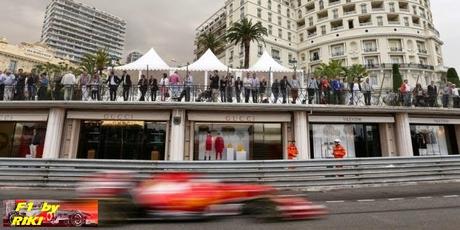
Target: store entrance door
<point>130,140</point>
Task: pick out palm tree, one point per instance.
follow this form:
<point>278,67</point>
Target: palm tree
<point>50,69</point>
<point>210,41</point>
<point>244,33</point>
<point>101,60</point>
<point>355,71</point>
<point>331,70</point>
<point>88,64</point>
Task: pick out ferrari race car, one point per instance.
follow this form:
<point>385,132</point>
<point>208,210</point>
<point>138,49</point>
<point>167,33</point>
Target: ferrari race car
<point>181,195</point>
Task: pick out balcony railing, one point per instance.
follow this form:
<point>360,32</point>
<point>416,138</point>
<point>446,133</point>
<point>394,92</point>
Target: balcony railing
<point>402,66</point>
<point>372,49</point>
<point>422,51</point>
<point>396,49</point>
<point>343,95</point>
<point>336,54</point>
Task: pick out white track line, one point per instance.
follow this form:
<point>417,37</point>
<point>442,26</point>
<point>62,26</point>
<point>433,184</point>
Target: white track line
<point>335,201</point>
<point>424,197</point>
<point>395,199</point>
<point>451,196</point>
<point>366,200</point>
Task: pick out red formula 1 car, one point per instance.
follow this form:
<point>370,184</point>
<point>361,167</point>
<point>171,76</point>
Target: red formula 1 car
<point>184,195</point>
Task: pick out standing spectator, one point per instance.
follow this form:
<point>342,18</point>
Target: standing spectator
<point>255,88</point>
<point>95,87</point>
<point>126,84</point>
<point>214,85</point>
<point>83,82</point>
<point>276,90</point>
<point>284,87</point>
<point>143,86</point>
<point>432,94</point>
<point>406,93</point>
<point>223,87</point>
<point>455,97</point>
<point>325,91</point>
<point>263,90</point>
<point>57,95</point>
<point>247,83</point>
<point>355,90</point>
<point>113,82</point>
<point>446,94</point>
<point>367,91</point>
<point>312,88</point>
<point>419,94</point>
<point>188,84</point>
<point>229,90</point>
<point>20,85</point>
<point>336,89</point>
<point>295,86</point>
<point>164,84</point>
<point>68,81</point>
<point>174,81</point>
<point>31,82</point>
<point>238,89</point>
<point>43,87</point>
<point>153,83</point>
<point>9,85</point>
<point>2,85</point>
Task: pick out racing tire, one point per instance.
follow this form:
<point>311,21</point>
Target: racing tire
<point>77,220</point>
<point>262,210</point>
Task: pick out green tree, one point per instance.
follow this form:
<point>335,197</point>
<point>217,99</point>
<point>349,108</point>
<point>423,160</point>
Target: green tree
<point>101,60</point>
<point>244,33</point>
<point>210,41</point>
<point>397,77</point>
<point>88,64</point>
<point>331,70</point>
<point>355,72</point>
<point>452,76</point>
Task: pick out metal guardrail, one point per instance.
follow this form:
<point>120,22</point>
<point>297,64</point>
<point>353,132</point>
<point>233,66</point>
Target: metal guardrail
<point>63,173</point>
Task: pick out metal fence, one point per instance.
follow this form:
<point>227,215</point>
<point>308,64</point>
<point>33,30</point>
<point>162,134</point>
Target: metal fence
<point>60,173</point>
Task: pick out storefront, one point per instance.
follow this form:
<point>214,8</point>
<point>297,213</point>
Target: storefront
<point>238,136</point>
<point>22,134</point>
<point>360,136</point>
<point>121,135</point>
<point>434,136</point>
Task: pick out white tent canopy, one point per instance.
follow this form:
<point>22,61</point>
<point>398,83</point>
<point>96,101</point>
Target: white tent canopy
<point>207,62</point>
<point>151,61</point>
<point>267,63</point>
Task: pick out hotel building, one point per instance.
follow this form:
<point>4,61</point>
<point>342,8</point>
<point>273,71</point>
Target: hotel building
<point>373,33</point>
<point>73,30</point>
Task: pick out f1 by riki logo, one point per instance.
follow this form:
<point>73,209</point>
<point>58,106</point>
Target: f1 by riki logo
<point>46,210</point>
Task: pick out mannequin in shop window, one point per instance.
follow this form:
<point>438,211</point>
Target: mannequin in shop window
<point>219,145</point>
<point>34,142</point>
<point>208,147</point>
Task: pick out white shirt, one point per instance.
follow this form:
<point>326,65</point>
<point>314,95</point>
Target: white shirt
<point>455,92</point>
<point>164,82</point>
<point>68,79</point>
<point>355,87</point>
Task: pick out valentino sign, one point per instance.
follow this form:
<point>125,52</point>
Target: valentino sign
<point>118,116</point>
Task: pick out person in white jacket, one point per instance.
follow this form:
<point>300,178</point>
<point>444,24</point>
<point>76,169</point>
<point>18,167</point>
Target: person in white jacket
<point>68,81</point>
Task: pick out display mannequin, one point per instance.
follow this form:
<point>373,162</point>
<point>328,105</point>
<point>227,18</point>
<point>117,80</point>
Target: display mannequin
<point>208,146</point>
<point>219,145</point>
<point>35,141</point>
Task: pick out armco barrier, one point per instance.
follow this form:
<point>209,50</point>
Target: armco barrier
<point>64,173</point>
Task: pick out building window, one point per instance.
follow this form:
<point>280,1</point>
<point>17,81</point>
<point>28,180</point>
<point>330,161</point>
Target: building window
<point>280,33</point>
<point>270,29</point>
<point>259,13</point>
<point>433,140</point>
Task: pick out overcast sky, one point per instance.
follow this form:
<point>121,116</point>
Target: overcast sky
<point>168,25</point>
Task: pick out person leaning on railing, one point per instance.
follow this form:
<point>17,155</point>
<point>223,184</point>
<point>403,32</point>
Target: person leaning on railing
<point>31,81</point>
<point>367,91</point>
<point>20,84</point>
<point>432,94</point>
<point>276,91</point>
<point>229,89</point>
<point>284,87</point>
<point>9,85</point>
<point>143,86</point>
<point>43,87</point>
<point>83,82</point>
<point>419,95</point>
<point>247,83</point>
<point>222,88</point>
<point>164,84</point>
<point>455,96</point>
<point>153,83</point>
<point>446,94</point>
<point>238,89</point>
<point>255,88</point>
<point>214,85</point>
<point>262,90</point>
<point>68,81</point>
<point>126,84</point>
<point>295,86</point>
<point>312,88</point>
<point>95,87</point>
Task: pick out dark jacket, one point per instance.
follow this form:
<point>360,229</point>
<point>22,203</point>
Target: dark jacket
<point>238,85</point>
<point>143,84</point>
<point>128,80</point>
<point>276,87</point>
<point>284,84</point>
<point>223,84</point>
<point>109,80</point>
<point>432,90</point>
<point>153,85</point>
<point>214,82</point>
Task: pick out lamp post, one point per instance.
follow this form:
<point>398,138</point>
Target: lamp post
<point>293,62</point>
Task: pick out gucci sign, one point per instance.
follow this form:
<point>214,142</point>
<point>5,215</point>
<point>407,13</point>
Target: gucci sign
<point>240,118</point>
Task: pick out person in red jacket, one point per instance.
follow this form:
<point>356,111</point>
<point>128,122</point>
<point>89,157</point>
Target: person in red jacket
<point>208,147</point>
<point>219,145</point>
<point>338,151</point>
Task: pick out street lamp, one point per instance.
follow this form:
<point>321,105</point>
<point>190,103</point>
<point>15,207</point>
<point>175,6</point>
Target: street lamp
<point>293,62</point>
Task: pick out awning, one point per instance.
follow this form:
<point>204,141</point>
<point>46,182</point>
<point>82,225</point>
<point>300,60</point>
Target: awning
<point>151,61</point>
<point>207,62</point>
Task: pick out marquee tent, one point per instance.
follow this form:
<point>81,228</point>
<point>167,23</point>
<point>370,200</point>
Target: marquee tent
<point>149,61</point>
<point>207,62</point>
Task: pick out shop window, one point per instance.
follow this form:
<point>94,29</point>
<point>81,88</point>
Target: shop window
<point>240,141</point>
<point>22,139</point>
<point>128,140</point>
<point>433,140</point>
<point>359,140</point>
